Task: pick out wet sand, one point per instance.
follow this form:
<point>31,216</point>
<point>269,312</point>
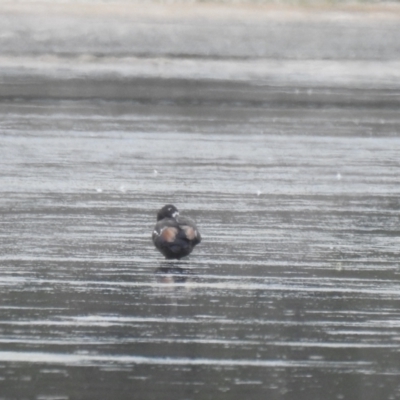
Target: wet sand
<point>292,177</point>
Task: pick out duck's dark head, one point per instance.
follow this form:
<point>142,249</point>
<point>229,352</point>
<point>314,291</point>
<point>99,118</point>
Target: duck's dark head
<point>168,211</point>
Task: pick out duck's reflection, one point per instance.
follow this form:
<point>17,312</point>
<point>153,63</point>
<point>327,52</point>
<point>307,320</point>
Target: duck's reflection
<point>173,272</point>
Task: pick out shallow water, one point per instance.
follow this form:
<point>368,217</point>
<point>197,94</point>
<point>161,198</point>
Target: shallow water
<point>294,292</point>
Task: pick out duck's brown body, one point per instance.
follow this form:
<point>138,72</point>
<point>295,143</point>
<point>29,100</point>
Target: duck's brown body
<point>174,236</point>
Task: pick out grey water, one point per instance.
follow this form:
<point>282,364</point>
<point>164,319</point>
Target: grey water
<point>294,292</point>
<point>276,129</point>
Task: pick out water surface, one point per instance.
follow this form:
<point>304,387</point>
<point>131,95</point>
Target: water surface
<point>294,292</point>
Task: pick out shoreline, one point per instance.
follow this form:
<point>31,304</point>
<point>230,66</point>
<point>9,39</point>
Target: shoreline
<point>109,50</point>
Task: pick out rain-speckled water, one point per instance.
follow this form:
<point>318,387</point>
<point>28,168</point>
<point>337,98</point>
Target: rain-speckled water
<point>276,128</point>
<point>294,292</point>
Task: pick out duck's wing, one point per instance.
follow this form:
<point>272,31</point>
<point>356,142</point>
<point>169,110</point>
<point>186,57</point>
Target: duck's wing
<point>171,239</point>
<point>165,231</point>
<point>189,230</point>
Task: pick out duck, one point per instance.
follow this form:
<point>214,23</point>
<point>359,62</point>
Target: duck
<point>174,236</point>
